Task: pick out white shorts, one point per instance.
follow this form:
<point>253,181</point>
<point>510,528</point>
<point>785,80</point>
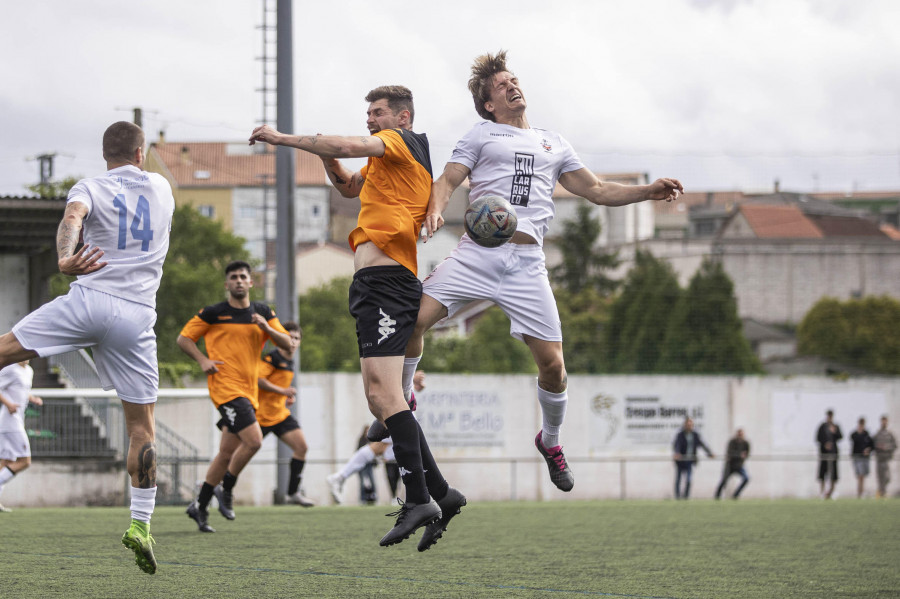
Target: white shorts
<point>513,276</point>
<point>14,445</point>
<point>120,333</point>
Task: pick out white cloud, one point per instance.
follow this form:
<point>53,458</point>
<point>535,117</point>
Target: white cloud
<point>719,93</point>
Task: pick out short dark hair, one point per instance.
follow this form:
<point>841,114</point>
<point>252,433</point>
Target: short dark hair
<point>290,325</point>
<point>398,97</point>
<point>237,265</point>
<point>121,140</point>
<point>483,70</point>
<point>829,413</point>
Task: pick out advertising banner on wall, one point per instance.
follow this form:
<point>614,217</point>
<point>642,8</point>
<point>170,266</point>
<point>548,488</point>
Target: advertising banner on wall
<point>461,417</point>
<point>624,418</point>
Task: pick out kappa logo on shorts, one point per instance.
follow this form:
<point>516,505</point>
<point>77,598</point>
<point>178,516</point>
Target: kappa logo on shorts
<point>230,414</point>
<point>385,326</point>
<point>404,471</point>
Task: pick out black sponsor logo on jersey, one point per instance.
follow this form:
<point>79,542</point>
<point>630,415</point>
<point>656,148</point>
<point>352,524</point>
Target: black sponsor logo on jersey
<point>521,184</point>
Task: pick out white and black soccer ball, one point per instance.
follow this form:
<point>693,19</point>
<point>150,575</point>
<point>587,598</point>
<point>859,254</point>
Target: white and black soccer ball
<point>490,221</point>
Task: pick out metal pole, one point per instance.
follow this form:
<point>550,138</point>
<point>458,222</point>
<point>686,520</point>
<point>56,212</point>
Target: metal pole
<point>285,285</point>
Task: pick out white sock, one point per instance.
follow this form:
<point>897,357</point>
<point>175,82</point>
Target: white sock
<point>142,503</point>
<point>553,409</point>
<point>357,462</point>
<point>409,370</point>
<point>5,476</point>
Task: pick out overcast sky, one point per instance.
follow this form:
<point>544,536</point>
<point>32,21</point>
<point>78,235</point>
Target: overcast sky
<point>723,94</point>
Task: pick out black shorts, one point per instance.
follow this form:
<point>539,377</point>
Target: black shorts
<point>384,300</point>
<point>285,426</point>
<point>828,467</point>
<point>237,415</point>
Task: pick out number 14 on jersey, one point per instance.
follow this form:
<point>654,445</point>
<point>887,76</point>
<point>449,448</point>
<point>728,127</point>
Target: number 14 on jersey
<point>141,229</point>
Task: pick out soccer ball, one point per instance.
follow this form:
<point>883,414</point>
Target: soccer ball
<point>490,221</point>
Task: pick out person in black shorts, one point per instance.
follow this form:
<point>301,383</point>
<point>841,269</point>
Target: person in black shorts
<point>276,395</point>
<point>827,437</point>
<point>393,189</point>
<point>235,332</point>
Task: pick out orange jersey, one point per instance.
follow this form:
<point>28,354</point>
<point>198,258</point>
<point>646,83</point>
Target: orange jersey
<point>395,196</point>
<point>279,371</point>
<point>232,338</point>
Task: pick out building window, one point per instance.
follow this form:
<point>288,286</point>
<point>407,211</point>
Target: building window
<point>248,211</point>
<point>207,210</point>
<point>315,210</point>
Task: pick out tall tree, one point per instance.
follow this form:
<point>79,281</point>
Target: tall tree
<point>193,275</point>
<point>488,349</point>
<point>583,265</point>
<point>329,332</point>
<point>705,334</point>
<point>54,189</point>
<point>640,315</point>
<point>859,332</point>
<point>584,316</point>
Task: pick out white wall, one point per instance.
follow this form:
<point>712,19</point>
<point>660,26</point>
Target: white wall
<point>617,435</point>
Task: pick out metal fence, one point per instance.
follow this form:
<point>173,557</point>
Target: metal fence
<point>90,424</point>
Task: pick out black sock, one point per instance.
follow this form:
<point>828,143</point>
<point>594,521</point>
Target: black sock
<point>206,493</point>
<point>405,433</point>
<point>228,481</point>
<point>437,486</point>
<point>296,475</point>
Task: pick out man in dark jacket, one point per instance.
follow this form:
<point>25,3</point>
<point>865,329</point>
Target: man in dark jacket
<point>685,449</point>
<point>737,451</point>
<point>827,437</point>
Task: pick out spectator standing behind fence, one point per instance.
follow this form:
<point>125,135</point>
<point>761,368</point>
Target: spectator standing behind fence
<point>685,448</point>
<point>862,450</point>
<point>827,437</point>
<point>737,451</point>
<point>885,446</point>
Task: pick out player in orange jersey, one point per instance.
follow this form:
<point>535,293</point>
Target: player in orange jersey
<point>235,332</point>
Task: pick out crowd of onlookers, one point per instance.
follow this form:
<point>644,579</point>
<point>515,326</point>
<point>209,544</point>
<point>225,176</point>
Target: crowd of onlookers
<point>883,445</point>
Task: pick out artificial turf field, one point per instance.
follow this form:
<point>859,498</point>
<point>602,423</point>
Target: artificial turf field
<point>634,549</point>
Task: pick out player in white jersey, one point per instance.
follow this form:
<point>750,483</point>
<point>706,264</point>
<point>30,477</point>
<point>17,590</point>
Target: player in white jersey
<point>15,394</point>
<point>124,216</point>
<point>505,156</point>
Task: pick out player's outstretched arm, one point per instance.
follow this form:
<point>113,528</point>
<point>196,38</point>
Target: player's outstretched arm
<point>328,146</point>
<point>441,190</point>
<point>84,261</point>
<point>585,184</point>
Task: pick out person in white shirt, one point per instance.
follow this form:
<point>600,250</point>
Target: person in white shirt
<point>124,217</point>
<point>507,157</point>
<point>15,394</point>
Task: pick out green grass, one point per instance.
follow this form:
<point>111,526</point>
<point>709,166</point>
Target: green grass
<point>699,549</point>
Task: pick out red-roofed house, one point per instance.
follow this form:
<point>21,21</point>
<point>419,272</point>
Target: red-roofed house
<point>764,221</point>
<point>234,184</point>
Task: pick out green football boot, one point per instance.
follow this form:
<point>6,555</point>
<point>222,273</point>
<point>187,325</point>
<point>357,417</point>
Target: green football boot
<point>138,539</point>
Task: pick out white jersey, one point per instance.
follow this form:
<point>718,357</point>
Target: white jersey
<point>129,218</point>
<point>521,165</point>
<point>15,385</point>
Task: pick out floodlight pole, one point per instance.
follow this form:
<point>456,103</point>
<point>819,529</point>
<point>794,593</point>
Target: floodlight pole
<point>285,285</point>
